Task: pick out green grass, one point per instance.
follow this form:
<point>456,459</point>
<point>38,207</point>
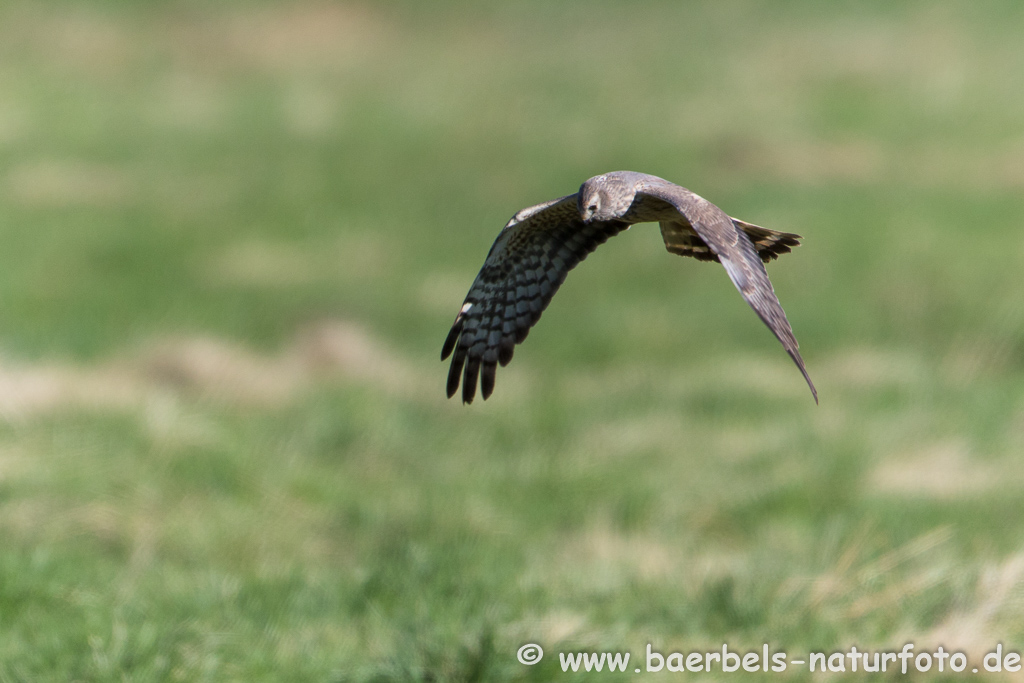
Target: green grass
<point>234,239</point>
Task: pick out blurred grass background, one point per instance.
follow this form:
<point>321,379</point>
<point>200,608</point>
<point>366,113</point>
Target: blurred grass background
<point>234,237</point>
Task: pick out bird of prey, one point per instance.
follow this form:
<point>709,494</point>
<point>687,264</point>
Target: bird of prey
<point>541,244</point>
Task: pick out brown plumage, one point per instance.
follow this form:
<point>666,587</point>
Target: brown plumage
<point>541,244</point>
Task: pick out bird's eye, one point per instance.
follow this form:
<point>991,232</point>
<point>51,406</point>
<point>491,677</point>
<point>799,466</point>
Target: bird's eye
<point>592,207</point>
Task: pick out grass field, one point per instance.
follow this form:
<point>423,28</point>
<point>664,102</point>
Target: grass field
<point>234,238</point>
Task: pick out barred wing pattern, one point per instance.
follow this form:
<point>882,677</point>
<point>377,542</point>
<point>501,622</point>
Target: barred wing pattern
<point>680,238</point>
<point>525,267</point>
<point>736,251</point>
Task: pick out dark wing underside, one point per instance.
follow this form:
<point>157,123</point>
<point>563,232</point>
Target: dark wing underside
<point>524,269</point>
<point>731,244</point>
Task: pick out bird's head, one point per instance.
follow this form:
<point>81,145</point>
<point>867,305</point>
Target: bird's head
<point>592,200</point>
<point>605,197</point>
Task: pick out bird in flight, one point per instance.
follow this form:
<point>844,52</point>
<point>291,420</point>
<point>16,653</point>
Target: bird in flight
<point>541,244</point>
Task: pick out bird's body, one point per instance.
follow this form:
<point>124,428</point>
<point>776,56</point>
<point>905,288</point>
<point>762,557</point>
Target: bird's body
<point>541,244</point>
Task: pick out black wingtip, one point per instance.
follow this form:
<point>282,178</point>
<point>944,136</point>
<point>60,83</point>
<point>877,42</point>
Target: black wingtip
<point>506,348</point>
<point>455,373</point>
<point>487,373</point>
<point>469,380</point>
<point>453,336</point>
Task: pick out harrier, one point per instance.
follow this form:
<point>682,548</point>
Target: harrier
<point>541,244</point>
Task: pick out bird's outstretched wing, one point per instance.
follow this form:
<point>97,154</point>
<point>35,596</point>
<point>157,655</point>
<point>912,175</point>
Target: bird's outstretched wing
<point>523,270</point>
<point>730,244</point>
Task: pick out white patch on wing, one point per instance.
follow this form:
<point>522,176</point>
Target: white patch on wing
<point>466,307</point>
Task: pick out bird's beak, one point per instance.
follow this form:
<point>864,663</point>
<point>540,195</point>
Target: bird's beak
<point>585,213</point>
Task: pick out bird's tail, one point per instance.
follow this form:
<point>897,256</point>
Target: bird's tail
<point>769,243</point>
